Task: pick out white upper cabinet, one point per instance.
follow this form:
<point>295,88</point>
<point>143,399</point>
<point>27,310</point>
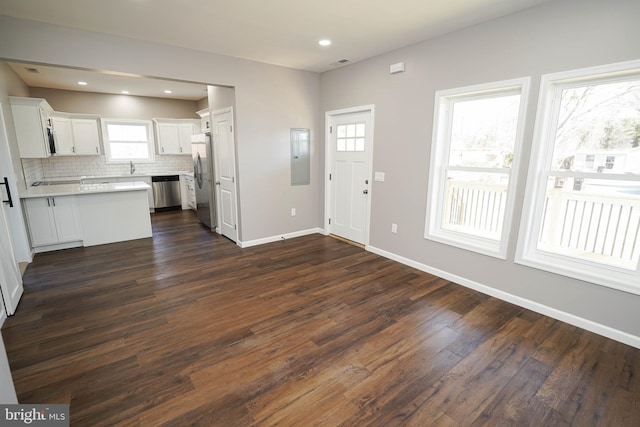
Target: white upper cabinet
<point>185,131</point>
<point>31,117</point>
<point>168,139</point>
<point>174,135</point>
<point>42,132</point>
<point>76,135</point>
<point>205,120</point>
<point>86,136</point>
<point>63,135</point>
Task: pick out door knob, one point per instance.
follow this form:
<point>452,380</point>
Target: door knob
<point>217,182</point>
<point>365,191</point>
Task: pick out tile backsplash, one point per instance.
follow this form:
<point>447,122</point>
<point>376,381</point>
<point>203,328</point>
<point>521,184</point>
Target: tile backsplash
<point>64,167</point>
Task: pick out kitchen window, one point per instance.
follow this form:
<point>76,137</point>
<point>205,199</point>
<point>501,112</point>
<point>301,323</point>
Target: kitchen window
<point>474,157</point>
<point>582,217</point>
<point>128,140</point>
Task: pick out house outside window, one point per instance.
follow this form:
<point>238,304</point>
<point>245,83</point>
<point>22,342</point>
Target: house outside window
<point>582,218</point>
<point>474,158</point>
<point>609,162</point>
<point>589,161</point>
<point>128,140</point>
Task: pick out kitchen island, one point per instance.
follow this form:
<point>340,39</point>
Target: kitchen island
<point>71,215</point>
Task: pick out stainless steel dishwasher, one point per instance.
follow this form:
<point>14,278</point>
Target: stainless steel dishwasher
<point>166,192</point>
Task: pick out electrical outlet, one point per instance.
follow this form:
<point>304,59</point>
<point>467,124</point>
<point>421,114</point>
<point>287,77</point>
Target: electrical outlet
<point>394,228</point>
<point>293,211</point>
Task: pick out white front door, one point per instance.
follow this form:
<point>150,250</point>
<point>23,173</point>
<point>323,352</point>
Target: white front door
<point>349,176</point>
<point>225,155</point>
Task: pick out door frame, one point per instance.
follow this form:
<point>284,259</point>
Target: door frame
<point>216,171</point>
<point>328,162</point>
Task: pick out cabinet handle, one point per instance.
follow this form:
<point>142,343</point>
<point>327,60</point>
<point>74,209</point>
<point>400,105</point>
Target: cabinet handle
<point>54,201</point>
<point>73,149</point>
<point>48,202</point>
<point>97,151</point>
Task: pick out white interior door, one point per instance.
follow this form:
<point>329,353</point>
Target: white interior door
<point>225,155</point>
<point>349,158</point>
<point>15,219</point>
<point>10,277</point>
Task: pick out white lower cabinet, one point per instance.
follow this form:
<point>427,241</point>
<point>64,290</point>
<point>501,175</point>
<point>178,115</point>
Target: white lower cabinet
<point>188,192</point>
<point>53,220</point>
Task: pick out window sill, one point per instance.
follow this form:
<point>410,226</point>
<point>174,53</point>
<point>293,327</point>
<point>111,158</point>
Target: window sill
<point>610,277</point>
<point>479,245</point>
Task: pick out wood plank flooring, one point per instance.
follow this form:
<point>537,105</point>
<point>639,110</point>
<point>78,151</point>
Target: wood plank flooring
<point>188,329</point>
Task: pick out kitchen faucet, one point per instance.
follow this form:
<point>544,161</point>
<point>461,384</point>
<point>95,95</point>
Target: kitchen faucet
<point>132,168</point>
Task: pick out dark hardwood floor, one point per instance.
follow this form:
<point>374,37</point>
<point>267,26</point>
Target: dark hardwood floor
<point>189,329</point>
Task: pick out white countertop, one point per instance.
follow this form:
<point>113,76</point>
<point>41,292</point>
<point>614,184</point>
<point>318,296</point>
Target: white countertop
<point>79,189</point>
<point>145,174</point>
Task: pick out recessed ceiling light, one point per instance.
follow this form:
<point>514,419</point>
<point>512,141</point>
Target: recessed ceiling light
<point>167,91</point>
<point>82,83</point>
<point>324,42</point>
<point>125,92</point>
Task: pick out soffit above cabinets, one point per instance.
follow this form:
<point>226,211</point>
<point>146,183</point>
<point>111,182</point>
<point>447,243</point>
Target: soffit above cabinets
<point>36,75</point>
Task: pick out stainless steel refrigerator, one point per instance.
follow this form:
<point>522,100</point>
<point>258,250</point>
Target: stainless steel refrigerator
<point>202,152</point>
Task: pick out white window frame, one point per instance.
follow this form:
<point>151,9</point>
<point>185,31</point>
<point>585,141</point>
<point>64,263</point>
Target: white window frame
<point>527,252</point>
<point>439,164</point>
<point>150,142</point>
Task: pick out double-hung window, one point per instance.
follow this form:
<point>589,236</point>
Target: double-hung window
<point>474,155</point>
<point>128,140</point>
<point>582,217</point>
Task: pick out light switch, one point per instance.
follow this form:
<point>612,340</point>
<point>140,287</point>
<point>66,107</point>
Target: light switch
<point>379,176</point>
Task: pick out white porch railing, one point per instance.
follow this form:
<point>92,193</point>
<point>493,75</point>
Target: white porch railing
<point>474,208</point>
<point>592,226</point>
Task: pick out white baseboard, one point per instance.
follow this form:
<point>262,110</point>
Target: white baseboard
<point>280,237</point>
<point>571,319</point>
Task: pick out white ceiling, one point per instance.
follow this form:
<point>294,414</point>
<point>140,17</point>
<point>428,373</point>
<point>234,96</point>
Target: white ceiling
<point>280,32</point>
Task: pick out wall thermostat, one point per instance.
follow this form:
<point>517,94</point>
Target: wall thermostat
<point>396,68</point>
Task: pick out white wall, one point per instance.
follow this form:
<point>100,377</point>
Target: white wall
<point>556,36</point>
<point>7,390</point>
<point>269,101</point>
